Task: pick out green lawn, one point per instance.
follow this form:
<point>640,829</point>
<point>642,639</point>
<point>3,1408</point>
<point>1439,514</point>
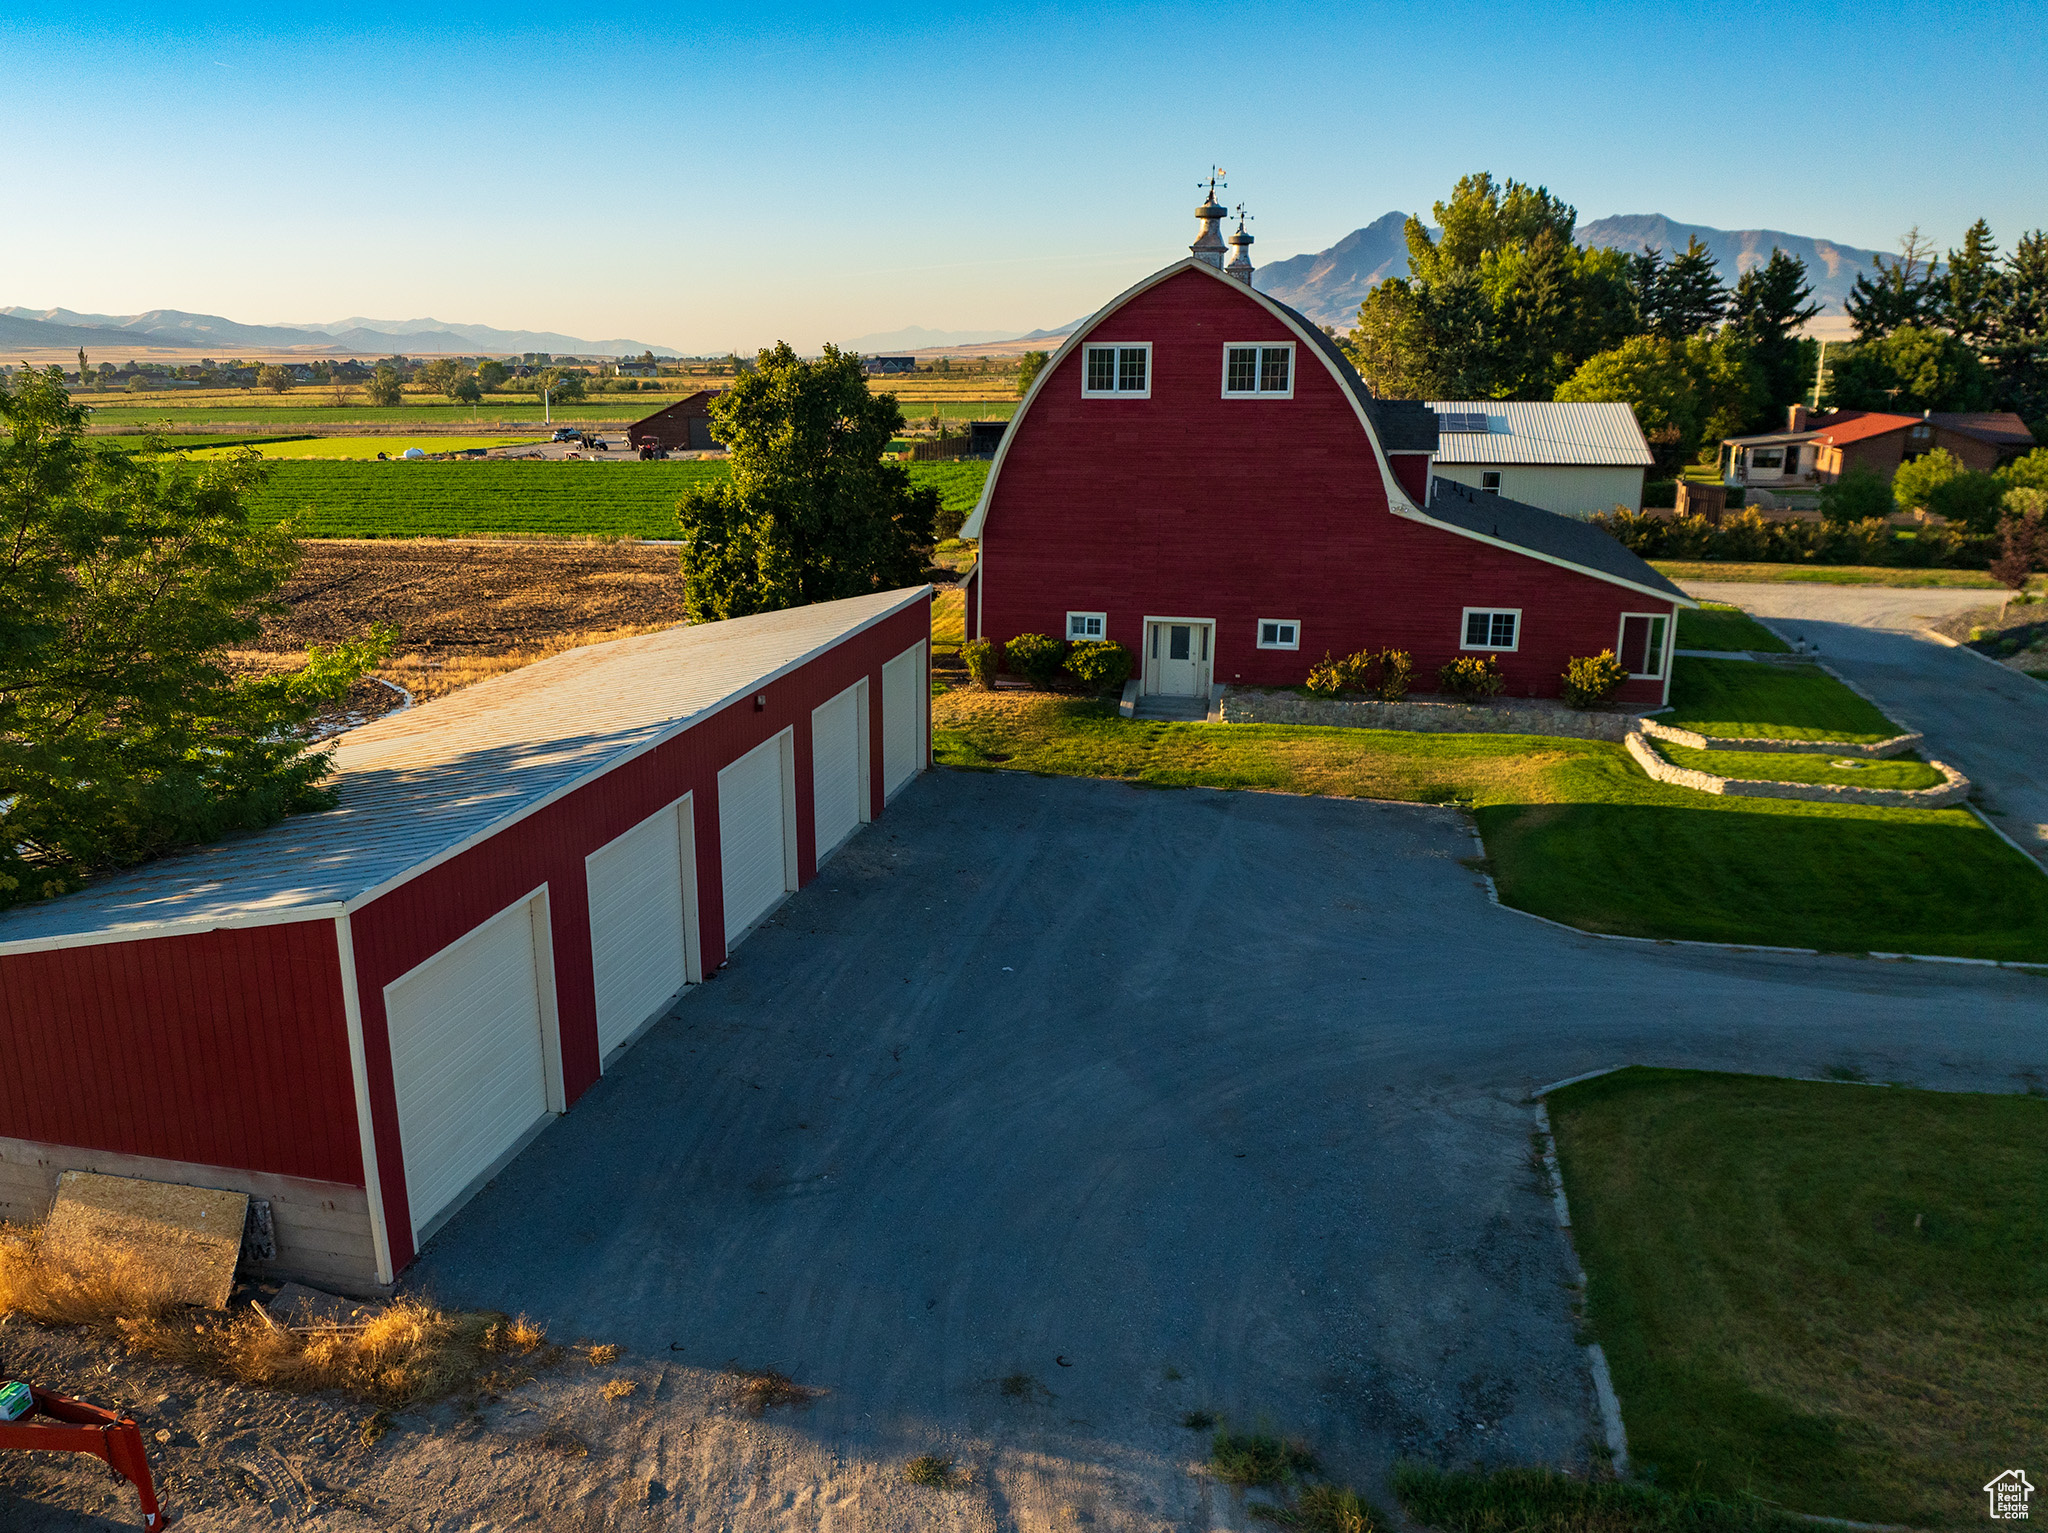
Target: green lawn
<point>1574,829</point>
<point>363,448</point>
<point>1824,574</point>
<point>1748,700</point>
<point>1716,625</point>
<point>592,499</point>
<point>1826,1295</point>
<point>1907,771</point>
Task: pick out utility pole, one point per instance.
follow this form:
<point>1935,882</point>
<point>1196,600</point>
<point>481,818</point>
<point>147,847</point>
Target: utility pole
<point>1820,371</point>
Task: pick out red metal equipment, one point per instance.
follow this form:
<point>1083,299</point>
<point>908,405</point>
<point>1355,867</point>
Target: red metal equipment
<point>58,1425</point>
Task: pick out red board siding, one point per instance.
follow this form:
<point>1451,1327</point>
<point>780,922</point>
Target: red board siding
<point>404,928</point>
<point>223,1048</point>
<point>1191,505</point>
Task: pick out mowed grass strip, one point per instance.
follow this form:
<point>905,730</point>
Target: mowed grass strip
<point>1717,625</point>
<point>364,447</point>
<point>1823,574</point>
<point>1825,1295</point>
<point>626,499</point>
<point>1901,772</point>
<point>1574,830</point>
<point>1749,700</point>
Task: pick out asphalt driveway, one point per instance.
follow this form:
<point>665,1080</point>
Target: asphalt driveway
<point>1987,720</point>
<point>1057,1109</point>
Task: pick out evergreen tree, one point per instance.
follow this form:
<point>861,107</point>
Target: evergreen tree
<point>810,512</point>
<point>1690,294</point>
<point>1968,295</point>
<point>1771,302</point>
<point>2016,334</point>
<point>1903,292</point>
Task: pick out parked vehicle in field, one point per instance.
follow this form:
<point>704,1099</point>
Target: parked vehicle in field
<point>566,434</point>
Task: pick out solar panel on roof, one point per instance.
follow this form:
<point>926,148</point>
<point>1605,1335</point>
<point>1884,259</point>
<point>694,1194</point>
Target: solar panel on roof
<point>1469,424</point>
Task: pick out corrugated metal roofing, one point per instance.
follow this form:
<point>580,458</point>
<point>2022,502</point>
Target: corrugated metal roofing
<point>1536,432</point>
<point>417,784</point>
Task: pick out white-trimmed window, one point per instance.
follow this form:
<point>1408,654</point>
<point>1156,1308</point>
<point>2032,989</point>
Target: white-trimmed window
<point>1642,645</point>
<point>1489,481</point>
<point>1117,372</point>
<point>1082,627</point>
<point>1492,627</point>
<point>1279,633</point>
<point>1258,371</point>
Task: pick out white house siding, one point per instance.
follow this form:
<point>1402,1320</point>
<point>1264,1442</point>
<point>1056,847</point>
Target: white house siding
<point>1574,490</point>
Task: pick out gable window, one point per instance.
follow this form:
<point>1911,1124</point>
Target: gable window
<point>1117,372</point>
<point>1084,626</point>
<point>1279,633</point>
<point>1642,644</point>
<point>1492,627</point>
<point>1489,481</point>
<point>1258,372</point>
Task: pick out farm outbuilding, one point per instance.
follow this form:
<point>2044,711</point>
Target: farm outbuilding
<point>684,426</point>
<point>360,1016</point>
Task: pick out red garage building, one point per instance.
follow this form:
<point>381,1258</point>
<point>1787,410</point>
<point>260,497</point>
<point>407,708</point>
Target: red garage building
<point>362,1015</point>
<point>1200,475</point>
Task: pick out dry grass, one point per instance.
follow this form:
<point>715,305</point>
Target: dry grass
<point>618,1389</point>
<point>930,1469</point>
<point>756,1391</point>
<point>412,1352</point>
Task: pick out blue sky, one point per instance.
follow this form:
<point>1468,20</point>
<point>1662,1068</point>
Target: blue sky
<point>710,177</point>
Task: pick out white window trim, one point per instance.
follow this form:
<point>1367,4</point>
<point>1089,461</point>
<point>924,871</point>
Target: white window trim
<point>1100,617</point>
<point>1621,630</point>
<point>1256,393</point>
<point>1465,627</point>
<point>1489,489</point>
<point>1294,623</point>
<point>1144,393</point>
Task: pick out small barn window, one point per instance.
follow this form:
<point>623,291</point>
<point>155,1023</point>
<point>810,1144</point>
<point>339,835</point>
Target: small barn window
<point>1118,372</point>
<point>1258,372</point>
<point>1492,627</point>
<point>1082,626</point>
<point>1489,481</point>
<point>1642,644</point>
<point>1279,633</point>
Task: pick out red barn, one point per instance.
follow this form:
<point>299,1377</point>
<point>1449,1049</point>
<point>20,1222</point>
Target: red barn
<point>1200,475</point>
<point>361,1015</point>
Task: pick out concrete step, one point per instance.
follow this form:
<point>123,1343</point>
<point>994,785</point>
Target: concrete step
<point>1190,710</point>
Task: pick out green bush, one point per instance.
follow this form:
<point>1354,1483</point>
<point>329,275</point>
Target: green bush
<point>948,521</point>
<point>982,658</point>
<point>1858,496</point>
<point>1103,665</point>
<point>1327,675</point>
<point>1590,680</point>
<point>1472,677</point>
<point>1257,1458</point>
<point>1969,500</point>
<point>1382,672</point>
<point>1035,657</point>
<point>1750,538</point>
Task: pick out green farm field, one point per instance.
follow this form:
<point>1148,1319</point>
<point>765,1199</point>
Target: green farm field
<point>364,447</point>
<point>497,498</point>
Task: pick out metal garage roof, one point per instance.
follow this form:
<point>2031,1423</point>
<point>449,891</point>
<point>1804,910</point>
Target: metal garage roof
<point>418,784</point>
<point>1544,433</point>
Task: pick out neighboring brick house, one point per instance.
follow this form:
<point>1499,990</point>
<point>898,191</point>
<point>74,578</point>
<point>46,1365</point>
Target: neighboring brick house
<point>1200,475</point>
<point>684,426</point>
<point>1819,449</point>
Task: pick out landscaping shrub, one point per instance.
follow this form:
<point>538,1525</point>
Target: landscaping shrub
<point>1590,680</point>
<point>1327,675</point>
<point>1102,665</point>
<point>1749,538</point>
<point>2022,538</point>
<point>982,657</point>
<point>1396,667</point>
<point>1036,658</point>
<point>1472,677</point>
<point>1384,673</point>
<point>1859,495</point>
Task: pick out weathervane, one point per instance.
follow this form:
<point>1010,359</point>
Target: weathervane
<point>1216,175</point>
<point>1242,218</point>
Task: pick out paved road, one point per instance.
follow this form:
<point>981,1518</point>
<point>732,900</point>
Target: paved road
<point>1147,1102</point>
<point>1988,720</point>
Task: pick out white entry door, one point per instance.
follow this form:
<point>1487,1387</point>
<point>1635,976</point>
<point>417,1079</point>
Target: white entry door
<point>756,833</point>
<point>470,1063</point>
<point>839,767</point>
<point>643,913</point>
<point>906,696</point>
<point>1177,658</point>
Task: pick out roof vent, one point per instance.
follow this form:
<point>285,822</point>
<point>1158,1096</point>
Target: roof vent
<point>1462,422</point>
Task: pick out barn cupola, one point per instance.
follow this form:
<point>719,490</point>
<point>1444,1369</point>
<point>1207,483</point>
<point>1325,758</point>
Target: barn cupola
<point>1208,245</point>
<point>1240,265</point>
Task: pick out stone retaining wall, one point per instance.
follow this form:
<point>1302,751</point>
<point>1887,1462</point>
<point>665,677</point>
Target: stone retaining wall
<point>1505,716</point>
<point>1954,788</point>
<point>1896,745</point>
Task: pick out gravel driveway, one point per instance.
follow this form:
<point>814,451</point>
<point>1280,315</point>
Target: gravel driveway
<point>1988,720</point>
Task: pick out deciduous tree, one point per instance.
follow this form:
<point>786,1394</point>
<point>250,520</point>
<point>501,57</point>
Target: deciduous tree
<point>810,512</point>
<point>1029,366</point>
<point>276,378</point>
<point>1911,369</point>
<point>385,387</point>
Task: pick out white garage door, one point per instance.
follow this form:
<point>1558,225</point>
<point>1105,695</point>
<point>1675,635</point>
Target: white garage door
<point>837,780</point>
<point>754,838</point>
<point>639,923</point>
<point>468,1059</point>
<point>904,696</point>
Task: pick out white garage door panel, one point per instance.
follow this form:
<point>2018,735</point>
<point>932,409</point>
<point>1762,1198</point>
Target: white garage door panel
<point>835,768</point>
<point>903,700</point>
<point>637,937</point>
<point>467,1061</point>
<point>751,852</point>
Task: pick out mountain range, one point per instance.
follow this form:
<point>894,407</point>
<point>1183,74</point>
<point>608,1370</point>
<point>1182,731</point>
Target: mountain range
<point>21,327</point>
<point>1329,285</point>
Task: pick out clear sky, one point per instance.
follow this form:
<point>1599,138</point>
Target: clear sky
<point>707,177</point>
